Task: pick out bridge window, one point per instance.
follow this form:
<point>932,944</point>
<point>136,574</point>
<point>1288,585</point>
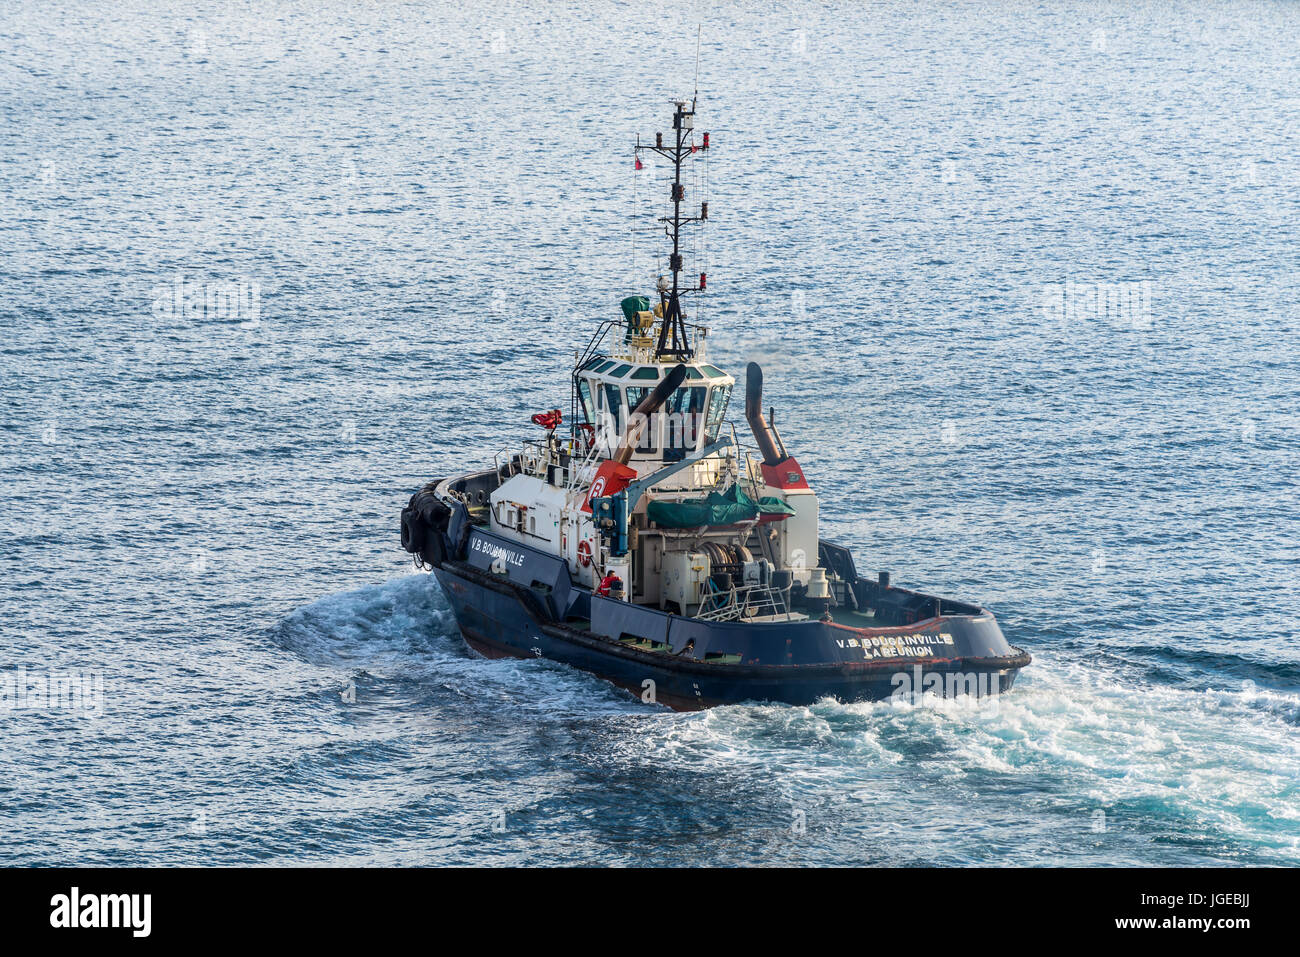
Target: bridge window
<point>685,411</point>
<point>650,434</point>
<point>718,400</point>
<point>687,399</point>
<point>614,404</point>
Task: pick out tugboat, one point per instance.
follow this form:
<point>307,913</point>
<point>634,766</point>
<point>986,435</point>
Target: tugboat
<point>644,544</point>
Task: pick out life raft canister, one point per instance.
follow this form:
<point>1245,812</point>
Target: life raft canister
<point>549,420</point>
<point>584,553</point>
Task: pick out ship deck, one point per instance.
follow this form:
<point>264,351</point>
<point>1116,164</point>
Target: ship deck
<point>857,619</point>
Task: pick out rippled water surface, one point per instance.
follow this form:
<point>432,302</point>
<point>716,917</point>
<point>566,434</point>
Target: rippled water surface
<point>418,213</point>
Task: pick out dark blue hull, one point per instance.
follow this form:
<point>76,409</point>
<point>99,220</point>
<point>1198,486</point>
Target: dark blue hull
<point>687,664</point>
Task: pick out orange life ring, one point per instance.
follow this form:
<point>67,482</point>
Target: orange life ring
<point>584,553</point>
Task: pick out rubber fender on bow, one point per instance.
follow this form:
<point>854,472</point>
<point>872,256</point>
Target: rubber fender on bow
<point>414,531</point>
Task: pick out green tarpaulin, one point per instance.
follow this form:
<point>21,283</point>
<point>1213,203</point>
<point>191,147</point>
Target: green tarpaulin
<point>718,508</point>
<point>632,305</point>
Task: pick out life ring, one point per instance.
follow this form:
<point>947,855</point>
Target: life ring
<point>584,553</point>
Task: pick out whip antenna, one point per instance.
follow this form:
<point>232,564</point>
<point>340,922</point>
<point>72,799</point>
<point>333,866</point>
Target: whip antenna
<point>698,28</point>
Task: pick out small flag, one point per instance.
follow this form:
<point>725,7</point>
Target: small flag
<point>638,163</point>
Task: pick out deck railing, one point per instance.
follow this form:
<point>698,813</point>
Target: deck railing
<point>740,602</point>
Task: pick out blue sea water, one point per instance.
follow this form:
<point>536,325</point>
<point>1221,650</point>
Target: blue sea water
<point>1023,280</point>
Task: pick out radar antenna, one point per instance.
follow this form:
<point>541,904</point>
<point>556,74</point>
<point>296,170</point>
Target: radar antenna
<point>674,343</point>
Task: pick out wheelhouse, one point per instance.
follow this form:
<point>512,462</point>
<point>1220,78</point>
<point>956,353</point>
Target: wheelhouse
<point>610,389</point>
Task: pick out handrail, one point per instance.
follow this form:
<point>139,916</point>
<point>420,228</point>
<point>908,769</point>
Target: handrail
<point>496,465</point>
<point>586,356</point>
<point>575,473</point>
<point>744,601</point>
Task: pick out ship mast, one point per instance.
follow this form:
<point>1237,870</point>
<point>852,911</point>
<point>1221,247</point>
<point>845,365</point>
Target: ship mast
<point>674,343</point>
